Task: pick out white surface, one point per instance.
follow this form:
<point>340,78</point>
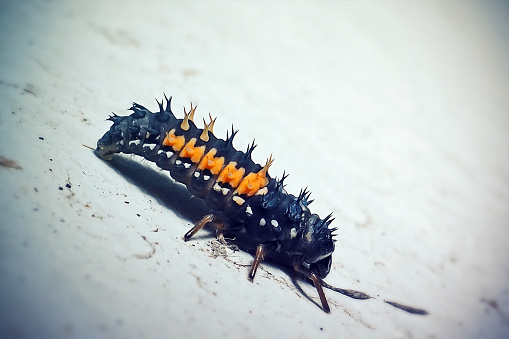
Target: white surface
<point>394,114</point>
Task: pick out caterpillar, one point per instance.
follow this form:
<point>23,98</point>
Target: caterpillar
<point>247,204</point>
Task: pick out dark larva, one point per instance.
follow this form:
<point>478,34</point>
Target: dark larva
<point>247,204</point>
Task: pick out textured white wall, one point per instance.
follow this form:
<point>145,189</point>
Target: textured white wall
<point>394,114</point>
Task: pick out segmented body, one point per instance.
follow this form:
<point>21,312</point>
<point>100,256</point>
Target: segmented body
<point>253,207</point>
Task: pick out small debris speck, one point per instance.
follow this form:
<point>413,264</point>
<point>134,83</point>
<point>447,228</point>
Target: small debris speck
<point>9,163</point>
<point>41,138</point>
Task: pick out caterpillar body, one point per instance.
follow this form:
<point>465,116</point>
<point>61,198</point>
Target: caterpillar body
<point>247,204</point>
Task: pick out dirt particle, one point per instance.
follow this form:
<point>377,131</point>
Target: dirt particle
<point>30,89</point>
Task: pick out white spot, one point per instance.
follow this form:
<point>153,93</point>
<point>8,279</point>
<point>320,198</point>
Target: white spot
<point>206,177</point>
<point>262,222</point>
<point>249,211</point>
<point>121,142</point>
<point>134,142</point>
<point>187,165</point>
<point>196,174</point>
<point>274,223</point>
<point>216,187</point>
<point>169,154</point>
<point>238,200</point>
<point>225,191</point>
<point>147,135</point>
<point>151,146</point>
<point>262,191</point>
<point>178,162</point>
<point>293,233</point>
<point>309,236</point>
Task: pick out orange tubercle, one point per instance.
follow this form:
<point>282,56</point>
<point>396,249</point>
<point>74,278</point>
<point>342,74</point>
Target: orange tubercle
<point>192,152</point>
<point>176,142</point>
<point>230,174</point>
<point>210,162</point>
<point>255,181</point>
<point>252,183</point>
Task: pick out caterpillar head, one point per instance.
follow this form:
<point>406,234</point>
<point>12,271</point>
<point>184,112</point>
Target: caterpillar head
<point>318,244</point>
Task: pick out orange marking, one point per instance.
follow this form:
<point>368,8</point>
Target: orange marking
<point>192,152</point>
<point>176,142</point>
<point>254,181</point>
<point>230,174</point>
<point>210,162</point>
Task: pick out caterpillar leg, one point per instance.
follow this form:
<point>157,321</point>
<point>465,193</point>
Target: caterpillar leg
<point>204,221</point>
<point>318,285</point>
<point>259,256</point>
